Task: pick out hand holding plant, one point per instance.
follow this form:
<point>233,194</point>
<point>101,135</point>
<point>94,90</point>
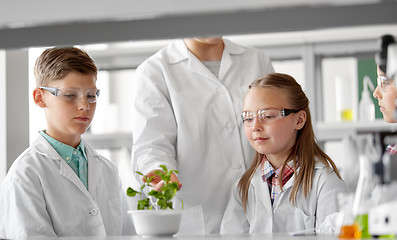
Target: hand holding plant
<point>164,195</point>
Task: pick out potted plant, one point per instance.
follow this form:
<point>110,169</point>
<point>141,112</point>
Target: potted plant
<point>155,214</point>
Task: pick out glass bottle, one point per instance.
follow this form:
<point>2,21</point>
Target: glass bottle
<point>349,228</point>
<point>362,196</point>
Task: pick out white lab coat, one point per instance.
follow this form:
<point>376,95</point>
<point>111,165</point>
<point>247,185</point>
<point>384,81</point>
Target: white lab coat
<point>188,119</point>
<point>262,217</point>
<point>42,196</point>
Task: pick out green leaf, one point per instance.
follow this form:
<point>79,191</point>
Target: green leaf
<point>131,192</point>
<point>155,194</point>
<point>160,173</point>
<point>164,196</point>
<point>164,168</point>
<point>162,203</point>
<point>169,194</point>
<point>144,203</point>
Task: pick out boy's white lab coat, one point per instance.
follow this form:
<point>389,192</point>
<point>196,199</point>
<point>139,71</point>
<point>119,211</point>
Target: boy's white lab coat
<point>262,217</point>
<point>42,196</point>
<point>188,119</point>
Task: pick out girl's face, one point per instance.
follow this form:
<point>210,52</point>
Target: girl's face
<point>386,100</point>
<point>273,139</point>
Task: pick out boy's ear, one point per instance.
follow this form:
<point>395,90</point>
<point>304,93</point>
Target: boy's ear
<point>301,120</point>
<point>38,97</point>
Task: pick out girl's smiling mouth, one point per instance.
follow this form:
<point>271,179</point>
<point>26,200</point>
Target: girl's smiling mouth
<point>260,139</point>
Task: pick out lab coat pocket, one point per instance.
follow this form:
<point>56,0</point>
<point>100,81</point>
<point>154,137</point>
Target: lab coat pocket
<point>297,220</point>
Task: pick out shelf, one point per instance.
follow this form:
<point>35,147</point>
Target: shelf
<point>333,131</point>
<point>325,131</point>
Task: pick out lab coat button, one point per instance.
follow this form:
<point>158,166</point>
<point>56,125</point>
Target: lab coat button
<point>94,212</point>
<point>74,152</point>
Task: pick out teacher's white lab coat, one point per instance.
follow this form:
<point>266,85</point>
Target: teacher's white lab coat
<point>188,119</point>
<point>262,217</point>
<point>42,196</point>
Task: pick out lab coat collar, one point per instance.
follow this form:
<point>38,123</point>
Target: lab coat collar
<point>177,52</point>
<point>94,168</point>
<point>42,146</point>
<point>318,166</point>
<point>232,48</point>
<point>261,189</point>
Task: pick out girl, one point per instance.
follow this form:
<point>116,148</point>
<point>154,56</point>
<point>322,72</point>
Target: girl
<point>291,184</point>
<point>385,92</point>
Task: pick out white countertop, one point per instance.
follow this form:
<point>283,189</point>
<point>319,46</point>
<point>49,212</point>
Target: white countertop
<point>280,236</point>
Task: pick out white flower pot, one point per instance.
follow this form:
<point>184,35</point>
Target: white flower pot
<point>156,222</point>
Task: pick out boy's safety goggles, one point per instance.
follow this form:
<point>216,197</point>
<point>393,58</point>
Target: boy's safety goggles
<point>73,94</point>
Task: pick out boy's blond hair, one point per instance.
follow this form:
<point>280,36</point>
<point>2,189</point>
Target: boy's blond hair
<point>55,63</point>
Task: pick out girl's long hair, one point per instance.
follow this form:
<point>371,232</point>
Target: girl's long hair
<point>305,150</point>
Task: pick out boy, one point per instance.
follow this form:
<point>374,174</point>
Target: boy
<point>60,186</point>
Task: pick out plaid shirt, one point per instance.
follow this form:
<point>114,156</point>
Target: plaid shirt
<point>391,149</point>
<point>271,176</point>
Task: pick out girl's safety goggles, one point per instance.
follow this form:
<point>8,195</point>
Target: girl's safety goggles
<point>266,115</point>
<point>385,83</point>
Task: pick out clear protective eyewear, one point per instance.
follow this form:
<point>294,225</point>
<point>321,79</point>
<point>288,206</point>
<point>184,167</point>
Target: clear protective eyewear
<point>385,83</point>
<point>73,94</point>
<point>266,115</point>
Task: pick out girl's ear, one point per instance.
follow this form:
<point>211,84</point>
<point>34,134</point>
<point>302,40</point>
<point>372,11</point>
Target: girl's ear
<point>301,120</point>
<point>38,97</point>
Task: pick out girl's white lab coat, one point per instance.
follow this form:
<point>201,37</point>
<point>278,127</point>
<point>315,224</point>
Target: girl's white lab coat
<point>42,196</point>
<point>262,217</point>
<point>188,119</point>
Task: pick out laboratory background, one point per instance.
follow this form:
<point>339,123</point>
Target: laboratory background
<point>327,46</point>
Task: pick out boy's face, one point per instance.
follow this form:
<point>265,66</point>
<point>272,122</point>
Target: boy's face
<point>66,119</point>
<point>386,100</point>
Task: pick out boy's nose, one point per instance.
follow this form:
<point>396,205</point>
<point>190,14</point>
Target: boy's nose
<point>83,103</point>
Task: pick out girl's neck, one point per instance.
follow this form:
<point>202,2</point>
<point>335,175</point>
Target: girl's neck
<point>204,51</point>
<point>276,160</point>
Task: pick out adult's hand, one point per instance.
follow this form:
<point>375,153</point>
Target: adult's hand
<point>157,183</point>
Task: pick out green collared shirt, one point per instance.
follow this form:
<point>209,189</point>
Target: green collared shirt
<point>75,158</point>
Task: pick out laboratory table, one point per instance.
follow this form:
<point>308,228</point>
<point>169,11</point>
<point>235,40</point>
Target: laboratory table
<point>203,237</point>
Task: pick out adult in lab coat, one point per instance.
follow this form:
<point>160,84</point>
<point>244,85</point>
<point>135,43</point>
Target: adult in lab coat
<point>187,117</point>
<point>42,196</point>
<point>307,214</point>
